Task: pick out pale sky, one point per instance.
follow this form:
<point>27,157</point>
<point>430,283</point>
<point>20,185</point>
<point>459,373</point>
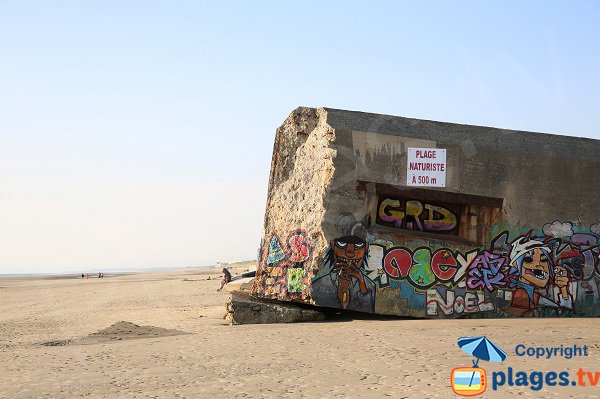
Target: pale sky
<point>139,134</point>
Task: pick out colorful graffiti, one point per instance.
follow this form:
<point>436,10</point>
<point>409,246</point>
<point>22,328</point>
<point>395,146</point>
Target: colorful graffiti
<point>345,284</point>
<point>283,270</point>
<point>536,275</point>
<point>556,269</point>
<point>294,279</point>
<point>553,270</point>
<point>276,253</point>
<point>456,302</point>
<point>298,248</point>
<point>420,266</point>
<point>416,215</point>
<point>487,271</point>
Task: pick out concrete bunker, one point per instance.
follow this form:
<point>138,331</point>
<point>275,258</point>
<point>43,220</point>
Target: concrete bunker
<point>392,215</point>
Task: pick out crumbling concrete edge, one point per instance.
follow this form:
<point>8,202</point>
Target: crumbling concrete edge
<point>245,309</point>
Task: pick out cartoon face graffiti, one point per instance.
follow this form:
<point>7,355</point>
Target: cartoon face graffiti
<point>536,272</point>
<point>348,256</point>
<point>535,269</point>
<point>345,285</point>
<point>349,252</point>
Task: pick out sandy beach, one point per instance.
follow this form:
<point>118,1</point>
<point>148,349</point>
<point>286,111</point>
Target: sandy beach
<point>175,343</point>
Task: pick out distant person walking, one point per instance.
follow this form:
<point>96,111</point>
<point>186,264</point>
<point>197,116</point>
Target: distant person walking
<point>226,278</point>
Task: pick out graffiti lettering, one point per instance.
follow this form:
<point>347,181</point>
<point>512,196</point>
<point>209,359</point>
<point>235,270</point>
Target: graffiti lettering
<point>283,273</point>
<point>446,222</point>
<point>416,215</point>
<point>444,265</point>
<point>275,253</point>
<point>300,250</point>
<point>397,262</point>
<point>420,267</point>
<point>456,302</point>
<point>294,279</point>
<point>486,271</point>
<point>554,272</point>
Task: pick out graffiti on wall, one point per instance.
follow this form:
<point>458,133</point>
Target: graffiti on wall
<point>532,267</point>
<point>421,266</point>
<point>284,266</point>
<point>456,301</point>
<point>345,284</point>
<point>417,215</point>
<point>553,270</point>
<point>556,269</point>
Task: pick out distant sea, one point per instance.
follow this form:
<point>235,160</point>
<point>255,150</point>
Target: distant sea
<point>107,272</point>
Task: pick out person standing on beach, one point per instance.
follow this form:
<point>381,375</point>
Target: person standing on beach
<point>226,278</point>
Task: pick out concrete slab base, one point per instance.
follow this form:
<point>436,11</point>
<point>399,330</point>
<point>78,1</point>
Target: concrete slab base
<point>243,309</point>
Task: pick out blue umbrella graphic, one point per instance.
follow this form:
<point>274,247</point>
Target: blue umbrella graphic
<point>483,349</point>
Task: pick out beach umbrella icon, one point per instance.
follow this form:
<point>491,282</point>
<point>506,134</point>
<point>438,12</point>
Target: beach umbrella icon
<point>482,348</point>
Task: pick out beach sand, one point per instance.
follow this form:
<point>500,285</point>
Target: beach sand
<point>174,343</point>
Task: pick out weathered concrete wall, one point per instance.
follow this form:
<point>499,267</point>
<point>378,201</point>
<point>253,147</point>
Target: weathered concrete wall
<point>241,309</point>
<point>515,231</point>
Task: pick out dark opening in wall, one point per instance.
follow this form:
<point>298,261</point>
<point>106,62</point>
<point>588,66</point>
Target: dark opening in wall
<point>412,214</point>
<point>426,213</point>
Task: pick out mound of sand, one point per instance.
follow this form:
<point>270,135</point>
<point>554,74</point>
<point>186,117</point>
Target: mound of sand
<point>127,330</point>
<point>119,331</point>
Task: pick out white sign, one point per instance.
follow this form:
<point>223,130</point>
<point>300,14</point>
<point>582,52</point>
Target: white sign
<point>426,167</point>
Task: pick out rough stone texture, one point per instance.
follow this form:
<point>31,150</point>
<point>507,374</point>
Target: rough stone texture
<point>542,183</point>
<point>301,170</point>
<point>242,309</point>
